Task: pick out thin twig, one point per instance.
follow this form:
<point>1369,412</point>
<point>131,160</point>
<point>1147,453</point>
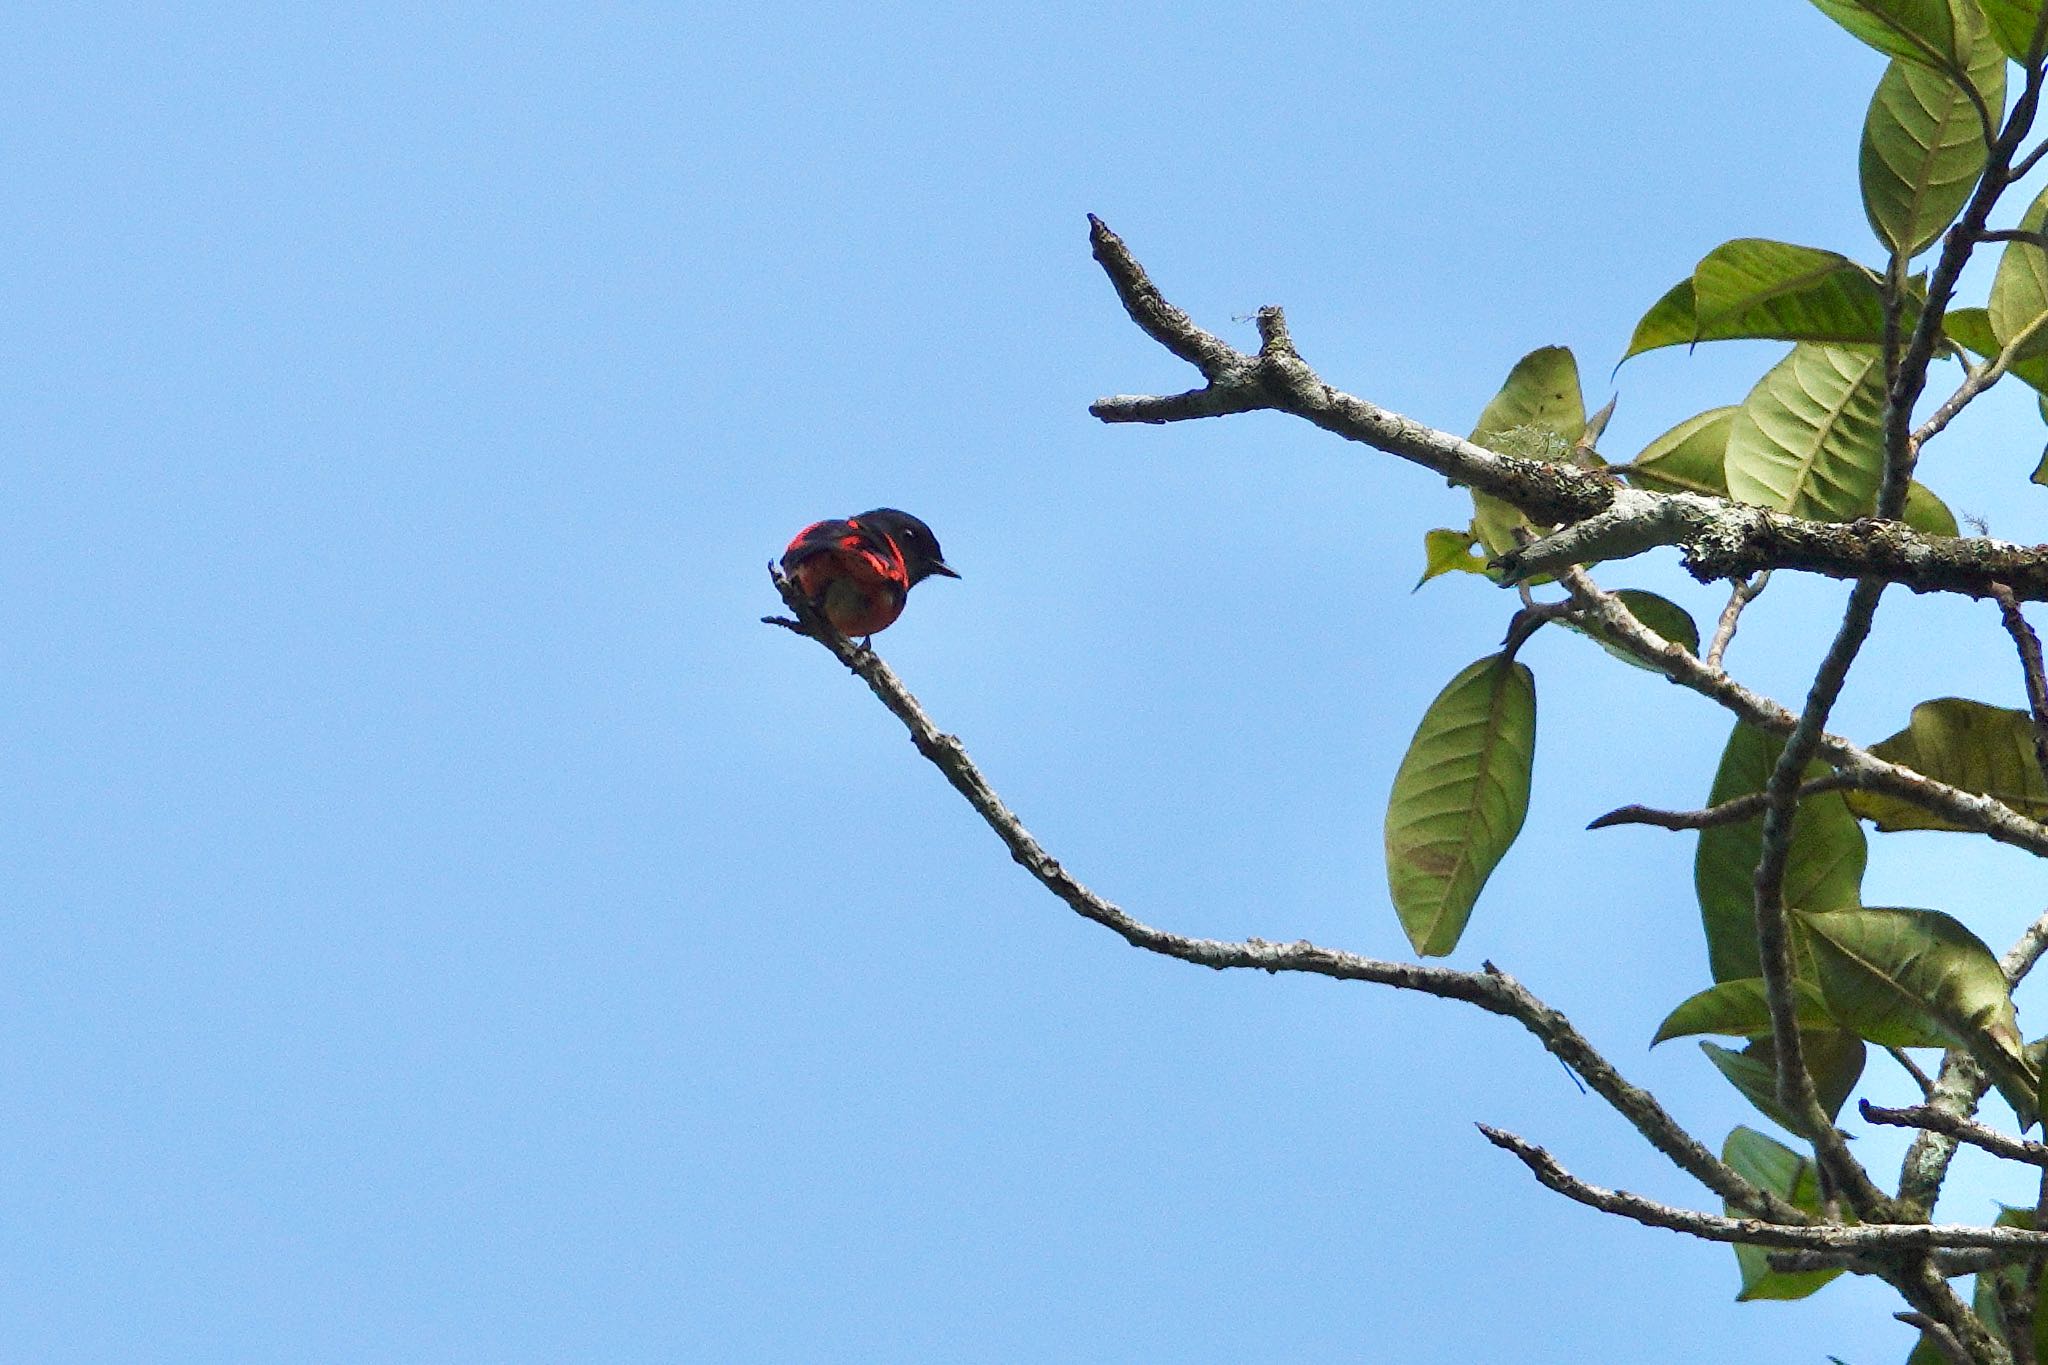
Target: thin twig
<point>1943,1339</point>
<point>1727,813</point>
<point>1977,379</point>
<point>1491,989</point>
<point>1860,1237</point>
<point>1741,595</point>
<point>2029,646</point>
<point>1912,1068</point>
<point>1939,1120</point>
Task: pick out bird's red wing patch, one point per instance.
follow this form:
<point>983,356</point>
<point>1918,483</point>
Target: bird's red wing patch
<point>855,575</point>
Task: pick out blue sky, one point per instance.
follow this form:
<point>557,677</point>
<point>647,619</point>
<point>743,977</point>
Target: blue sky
<point>441,924</point>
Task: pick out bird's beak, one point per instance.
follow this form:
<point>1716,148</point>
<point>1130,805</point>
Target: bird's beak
<point>940,567</point>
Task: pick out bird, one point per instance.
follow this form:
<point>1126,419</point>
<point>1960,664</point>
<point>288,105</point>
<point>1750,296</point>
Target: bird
<point>859,571</point>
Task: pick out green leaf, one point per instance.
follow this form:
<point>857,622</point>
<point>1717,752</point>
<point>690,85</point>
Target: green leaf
<point>1771,1165</point>
<point>1753,286</point>
<point>1825,869</point>
<point>1740,1009</point>
<point>1923,142</point>
<point>1673,320</point>
<point>1909,978</point>
<point>1919,978</point>
<point>1834,1058</point>
<point>1926,513</point>
<point>1446,551</point>
<point>1688,458</point>
<point>2012,24</point>
<point>1459,799</point>
<point>2040,474</point>
<point>1810,437</point>
<point>2019,292</point>
<point>1541,400</point>
<point>1660,614</point>
<point>1759,289</point>
<point>1967,744</point>
<point>1922,31</point>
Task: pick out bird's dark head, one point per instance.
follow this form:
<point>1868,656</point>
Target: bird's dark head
<point>921,556</point>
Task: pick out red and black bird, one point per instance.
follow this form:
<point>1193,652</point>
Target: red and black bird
<point>858,572</point>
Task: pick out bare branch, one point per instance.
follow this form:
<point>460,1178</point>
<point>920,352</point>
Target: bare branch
<point>1218,361</point>
<point>2025,951</point>
<point>1727,813</point>
<point>1860,1237</point>
<point>1491,990</point>
<point>1939,1120</point>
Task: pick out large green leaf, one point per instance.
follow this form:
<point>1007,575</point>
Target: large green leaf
<point>1824,871</point>
<point>1967,744</point>
<point>1917,978</point>
<point>2012,24</point>
<point>1688,458</point>
<point>1660,614</point>
<point>1923,141</point>
<point>1740,1009</point>
<point>2019,292</point>
<point>1459,799</point>
<point>1922,31</point>
<point>1760,289</point>
<point>1540,399</point>
<point>1908,978</point>
<point>1971,328</point>
<point>1834,1059</point>
<point>1771,1165</point>
<point>1810,437</point>
<point>1692,456</point>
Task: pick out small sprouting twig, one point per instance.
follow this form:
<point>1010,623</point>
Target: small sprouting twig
<point>1741,595</point>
